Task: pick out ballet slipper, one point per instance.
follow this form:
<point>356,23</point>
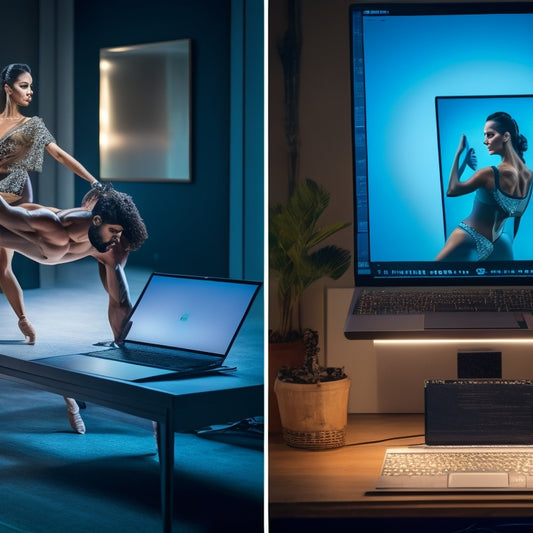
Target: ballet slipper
<point>27,329</point>
<point>74,417</point>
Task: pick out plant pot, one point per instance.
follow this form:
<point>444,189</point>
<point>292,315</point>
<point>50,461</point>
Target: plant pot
<point>280,354</point>
<point>313,416</point>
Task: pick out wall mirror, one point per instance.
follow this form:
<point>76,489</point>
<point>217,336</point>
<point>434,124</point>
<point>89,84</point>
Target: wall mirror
<point>145,112</point>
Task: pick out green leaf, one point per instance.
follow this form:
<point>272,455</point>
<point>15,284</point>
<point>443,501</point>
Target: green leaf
<point>293,237</point>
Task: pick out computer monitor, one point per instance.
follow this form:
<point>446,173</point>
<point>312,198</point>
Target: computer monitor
<point>422,76</point>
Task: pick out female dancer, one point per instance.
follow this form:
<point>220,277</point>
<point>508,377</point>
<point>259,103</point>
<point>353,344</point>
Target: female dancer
<point>502,192</point>
<point>22,144</point>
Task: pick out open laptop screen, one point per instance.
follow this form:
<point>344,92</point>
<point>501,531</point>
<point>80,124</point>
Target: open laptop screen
<point>423,75</point>
<point>190,313</point>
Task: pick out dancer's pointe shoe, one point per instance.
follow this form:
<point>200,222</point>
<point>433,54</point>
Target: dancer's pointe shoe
<point>27,329</point>
<point>74,417</point>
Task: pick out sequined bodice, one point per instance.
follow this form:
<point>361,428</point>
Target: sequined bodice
<point>22,151</point>
<point>510,206</point>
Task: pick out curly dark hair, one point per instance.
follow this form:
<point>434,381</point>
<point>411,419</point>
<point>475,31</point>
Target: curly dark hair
<point>118,208</point>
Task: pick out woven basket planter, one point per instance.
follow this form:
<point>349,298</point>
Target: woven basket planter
<point>313,416</point>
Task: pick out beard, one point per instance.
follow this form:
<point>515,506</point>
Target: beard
<point>96,240</point>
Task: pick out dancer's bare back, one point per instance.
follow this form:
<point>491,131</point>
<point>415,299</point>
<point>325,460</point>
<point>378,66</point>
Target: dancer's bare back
<point>50,236</point>
<point>46,236</point>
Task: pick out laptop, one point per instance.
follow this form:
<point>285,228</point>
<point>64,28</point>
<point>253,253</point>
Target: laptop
<point>478,437</point>
<point>405,134</point>
<point>180,326</point>
<point>456,469</point>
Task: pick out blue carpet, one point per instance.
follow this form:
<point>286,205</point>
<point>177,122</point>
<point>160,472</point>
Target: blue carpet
<point>53,480</point>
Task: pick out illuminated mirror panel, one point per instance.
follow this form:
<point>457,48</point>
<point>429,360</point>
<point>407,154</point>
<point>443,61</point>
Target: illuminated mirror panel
<point>145,112</point>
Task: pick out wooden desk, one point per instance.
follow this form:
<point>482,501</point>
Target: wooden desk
<point>332,483</point>
<point>176,405</point>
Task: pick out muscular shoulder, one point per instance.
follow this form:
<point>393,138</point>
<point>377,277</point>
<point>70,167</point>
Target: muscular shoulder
<point>511,181</point>
<point>76,223</point>
<point>485,178</point>
<point>487,172</point>
<point>507,172</point>
<point>76,214</point>
<point>40,219</point>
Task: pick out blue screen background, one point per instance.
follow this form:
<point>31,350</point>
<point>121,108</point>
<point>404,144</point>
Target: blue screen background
<point>409,61</point>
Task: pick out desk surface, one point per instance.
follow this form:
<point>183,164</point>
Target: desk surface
<point>333,483</point>
<point>71,317</point>
<point>194,402</point>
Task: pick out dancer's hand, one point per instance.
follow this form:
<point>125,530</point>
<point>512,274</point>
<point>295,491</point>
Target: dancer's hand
<point>463,144</point>
<point>471,158</point>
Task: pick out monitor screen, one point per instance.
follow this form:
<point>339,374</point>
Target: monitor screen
<point>425,78</point>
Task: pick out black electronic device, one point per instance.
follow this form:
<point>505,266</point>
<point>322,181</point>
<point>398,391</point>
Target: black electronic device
<point>478,412</point>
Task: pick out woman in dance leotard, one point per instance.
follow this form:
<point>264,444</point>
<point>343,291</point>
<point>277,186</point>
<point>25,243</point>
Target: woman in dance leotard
<point>501,192</point>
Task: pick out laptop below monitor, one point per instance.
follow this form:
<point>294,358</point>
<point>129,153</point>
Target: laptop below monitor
<point>460,312</point>
<point>180,326</point>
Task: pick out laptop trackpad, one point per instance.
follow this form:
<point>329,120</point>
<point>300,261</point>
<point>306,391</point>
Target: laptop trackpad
<point>466,320</point>
<point>473,480</point>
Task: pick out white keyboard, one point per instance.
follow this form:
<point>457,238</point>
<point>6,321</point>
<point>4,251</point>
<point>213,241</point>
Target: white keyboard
<point>457,468</point>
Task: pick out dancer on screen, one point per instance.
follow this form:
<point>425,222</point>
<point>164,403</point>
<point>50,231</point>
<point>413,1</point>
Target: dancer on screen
<point>501,192</point>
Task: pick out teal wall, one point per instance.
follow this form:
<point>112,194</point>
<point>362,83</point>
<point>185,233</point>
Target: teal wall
<point>189,223</point>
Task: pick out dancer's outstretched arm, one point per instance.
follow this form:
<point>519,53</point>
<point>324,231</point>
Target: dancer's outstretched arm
<point>111,269</point>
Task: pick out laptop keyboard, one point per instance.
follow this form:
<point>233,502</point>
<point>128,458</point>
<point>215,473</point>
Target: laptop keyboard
<point>155,357</point>
<point>441,462</point>
<point>472,467</point>
<point>445,299</point>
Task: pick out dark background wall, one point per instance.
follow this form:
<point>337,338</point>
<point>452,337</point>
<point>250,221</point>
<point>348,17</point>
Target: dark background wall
<point>20,44</point>
<point>187,223</point>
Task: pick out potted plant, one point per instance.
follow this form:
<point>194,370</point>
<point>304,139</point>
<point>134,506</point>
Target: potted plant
<point>313,401</point>
<point>296,261</point>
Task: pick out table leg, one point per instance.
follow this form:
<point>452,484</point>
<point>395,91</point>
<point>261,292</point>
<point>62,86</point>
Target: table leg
<point>166,464</point>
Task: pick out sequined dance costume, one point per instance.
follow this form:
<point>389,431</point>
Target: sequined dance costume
<point>510,206</point>
<point>22,151</point>
<point>483,246</point>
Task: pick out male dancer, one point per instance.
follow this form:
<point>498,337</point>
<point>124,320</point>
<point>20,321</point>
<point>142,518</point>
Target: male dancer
<point>106,227</point>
